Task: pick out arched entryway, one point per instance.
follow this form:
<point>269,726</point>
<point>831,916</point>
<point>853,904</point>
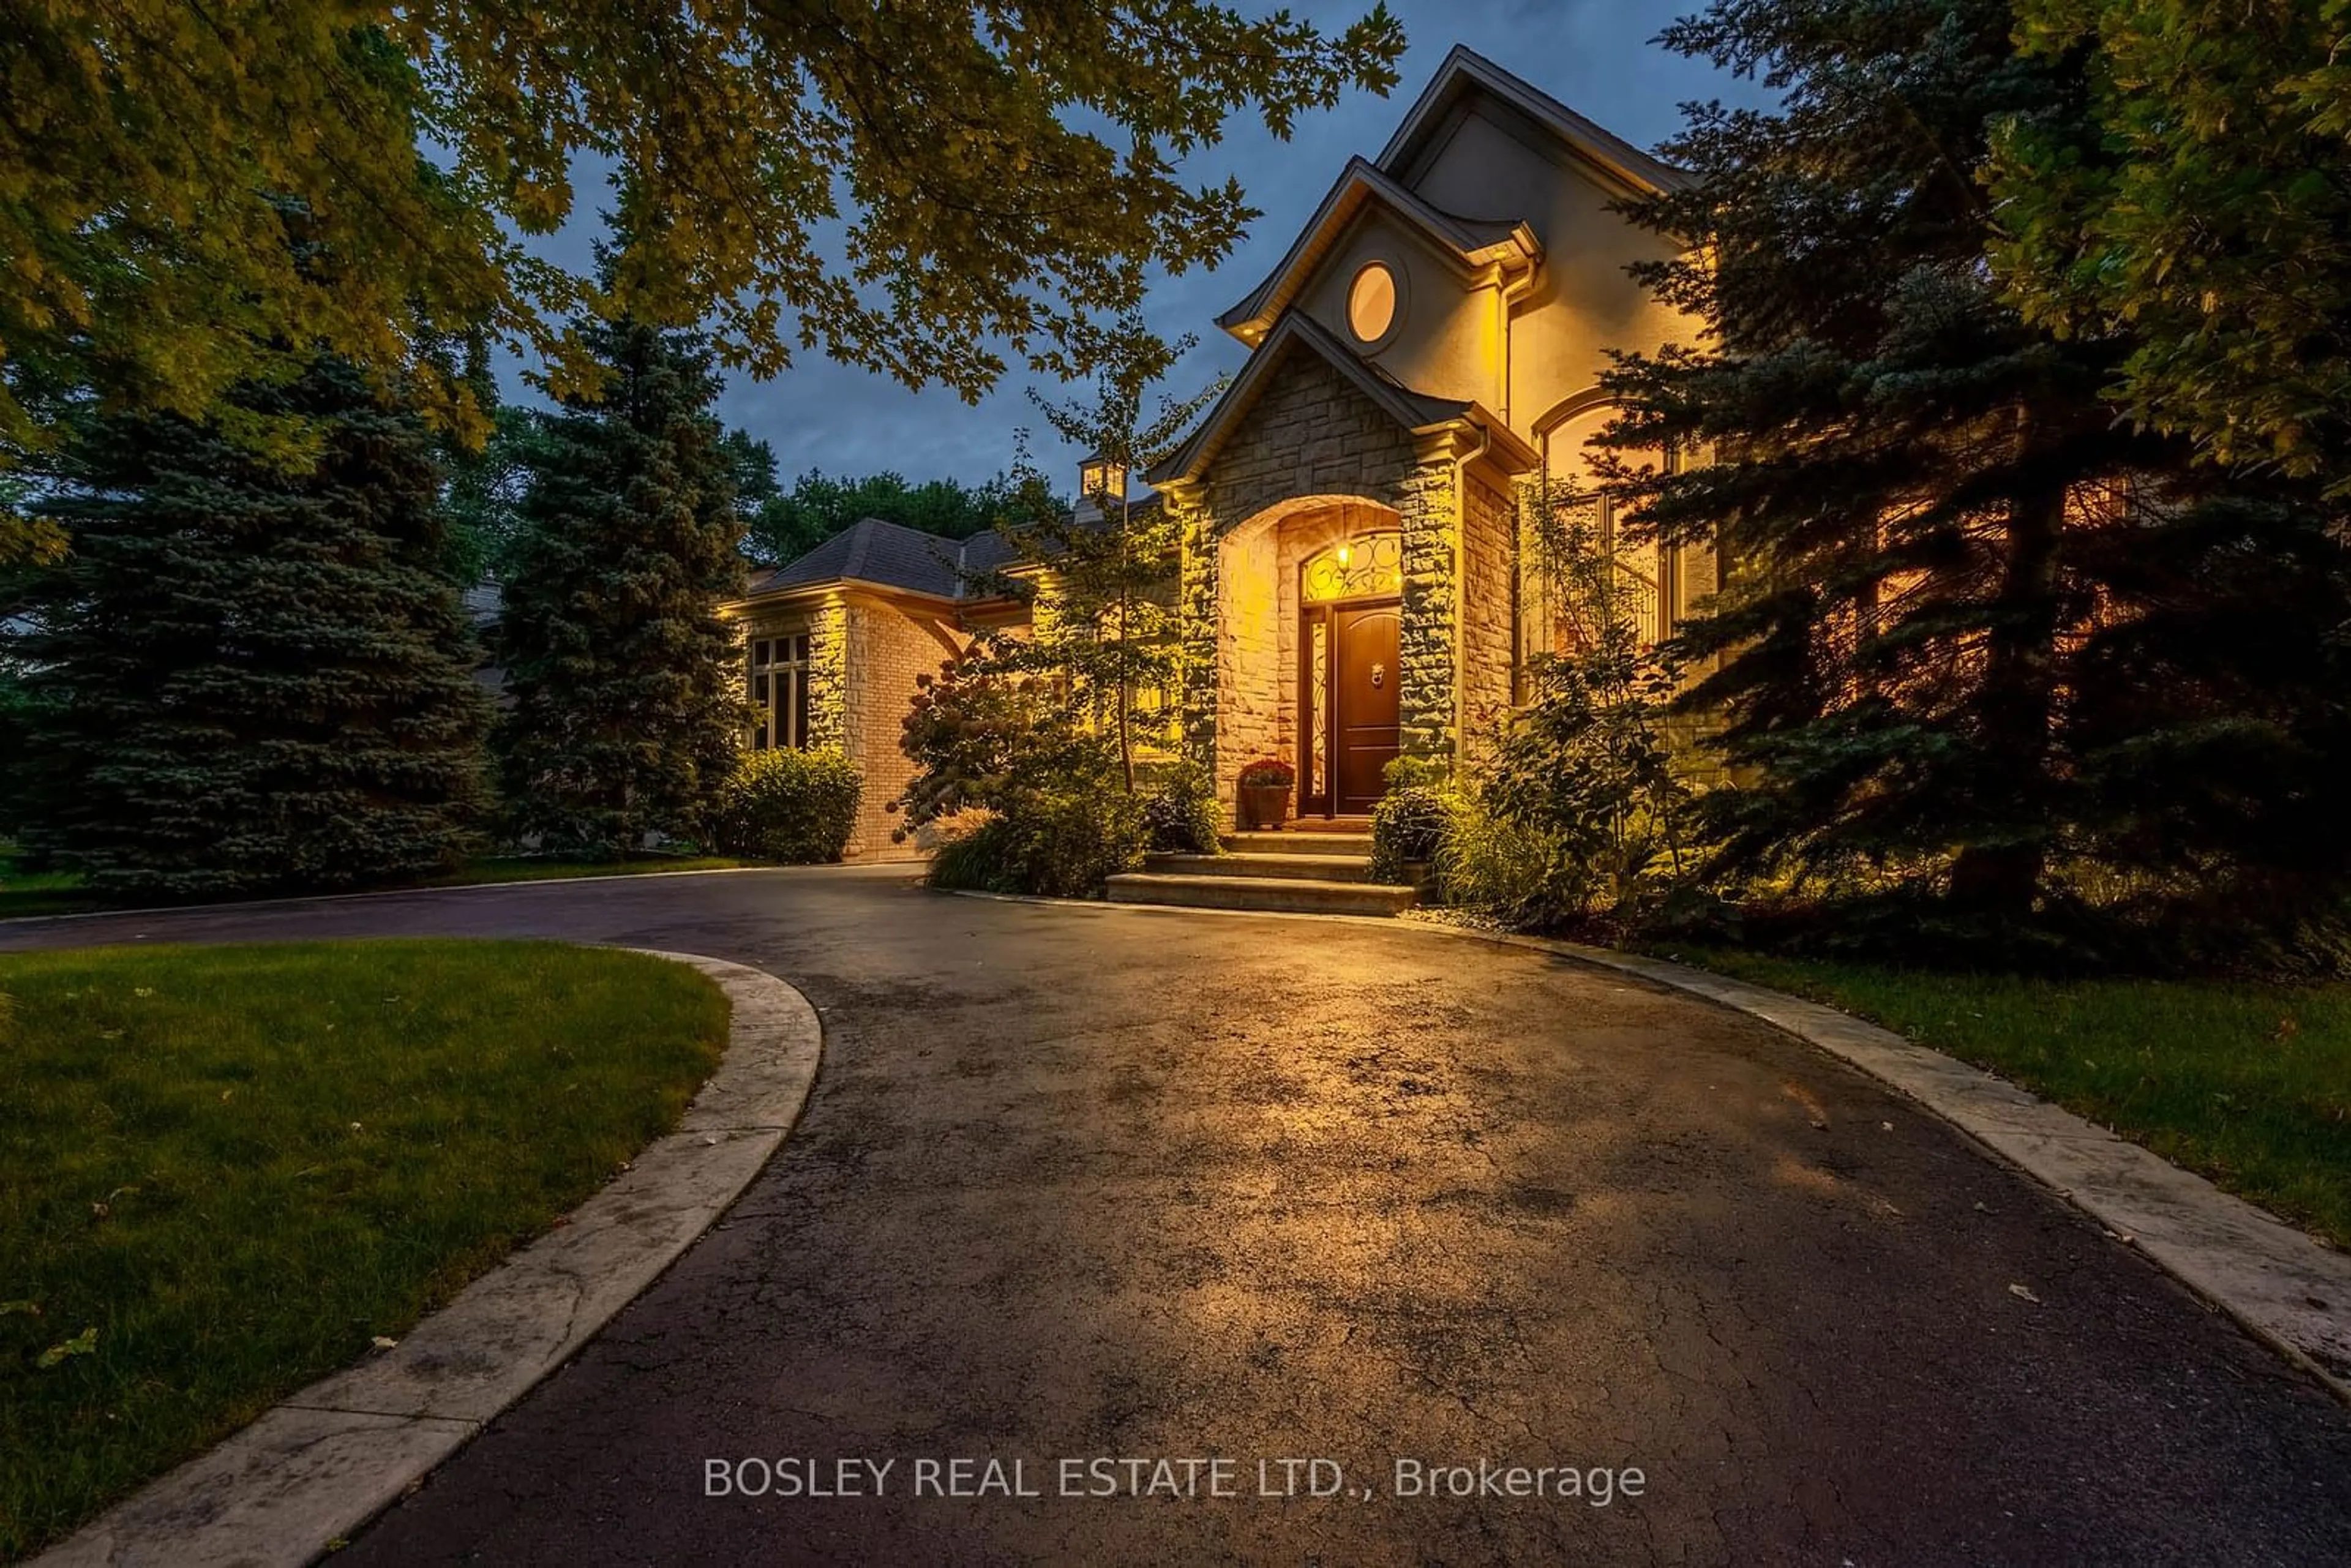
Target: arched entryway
<point>1350,637</point>
<point>1309,617</point>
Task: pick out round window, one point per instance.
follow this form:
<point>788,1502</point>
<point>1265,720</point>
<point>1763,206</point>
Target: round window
<point>1372,302</point>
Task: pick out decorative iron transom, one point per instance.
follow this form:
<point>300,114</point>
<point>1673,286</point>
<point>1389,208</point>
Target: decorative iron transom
<point>1367,566</point>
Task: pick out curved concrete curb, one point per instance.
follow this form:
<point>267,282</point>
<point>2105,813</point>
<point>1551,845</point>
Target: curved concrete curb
<point>2282,1287</point>
<point>312,1470</point>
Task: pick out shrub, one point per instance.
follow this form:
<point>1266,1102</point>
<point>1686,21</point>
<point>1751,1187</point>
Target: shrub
<point>1065,841</point>
<point>1062,818</point>
<point>1518,873</point>
<point>1409,822</point>
<point>976,859</point>
<point>1181,813</point>
<point>794,807</point>
<point>1060,841</point>
<point>1267,772</point>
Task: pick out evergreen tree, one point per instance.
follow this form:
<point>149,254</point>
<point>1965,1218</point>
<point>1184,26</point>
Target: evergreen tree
<point>627,705</point>
<point>1939,537</point>
<point>245,678</point>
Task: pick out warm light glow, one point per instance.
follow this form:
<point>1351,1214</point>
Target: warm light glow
<point>1097,480</point>
<point>1372,302</point>
<point>1370,564</point>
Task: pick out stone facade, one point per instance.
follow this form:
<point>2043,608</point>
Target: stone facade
<point>1489,619</point>
<point>1315,460</point>
<point>1429,652</point>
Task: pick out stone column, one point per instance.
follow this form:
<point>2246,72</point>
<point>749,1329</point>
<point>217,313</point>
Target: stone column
<point>1430,645</point>
<point>1196,611</point>
<point>829,676</point>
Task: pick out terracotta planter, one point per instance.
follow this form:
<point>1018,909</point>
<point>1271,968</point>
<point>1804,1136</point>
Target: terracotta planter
<point>1264,805</point>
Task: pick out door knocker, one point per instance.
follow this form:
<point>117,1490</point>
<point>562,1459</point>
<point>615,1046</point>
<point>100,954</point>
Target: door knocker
<point>1379,676</point>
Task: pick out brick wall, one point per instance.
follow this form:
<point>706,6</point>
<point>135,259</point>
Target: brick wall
<point>863,656</point>
<point>888,648</point>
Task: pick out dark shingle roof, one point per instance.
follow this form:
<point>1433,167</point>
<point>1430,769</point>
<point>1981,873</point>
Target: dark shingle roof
<point>892,555</point>
<point>871,550</point>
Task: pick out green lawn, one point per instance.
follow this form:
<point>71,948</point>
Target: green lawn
<point>225,1171</point>
<point>46,893</point>
<point>2247,1084</point>
<point>59,892</point>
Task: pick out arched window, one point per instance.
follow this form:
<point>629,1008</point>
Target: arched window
<point>1366,566</point>
<point>1646,591</point>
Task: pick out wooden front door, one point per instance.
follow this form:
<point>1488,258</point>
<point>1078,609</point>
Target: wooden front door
<point>1348,699</point>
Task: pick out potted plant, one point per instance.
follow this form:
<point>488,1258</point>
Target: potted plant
<point>1265,793</point>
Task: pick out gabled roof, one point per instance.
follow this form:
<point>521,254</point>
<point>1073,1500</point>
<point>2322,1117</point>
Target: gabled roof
<point>1466,71</point>
<point>1297,333</point>
<point>1472,241</point>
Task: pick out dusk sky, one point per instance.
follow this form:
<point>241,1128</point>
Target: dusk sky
<point>1595,56</point>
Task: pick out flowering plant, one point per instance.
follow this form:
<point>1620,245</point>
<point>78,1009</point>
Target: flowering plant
<point>1268,770</point>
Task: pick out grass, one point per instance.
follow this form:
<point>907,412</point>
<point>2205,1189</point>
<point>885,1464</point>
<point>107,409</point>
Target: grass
<point>61,892</point>
<point>45,892</point>
<point>2249,1086</point>
<point>223,1171</point>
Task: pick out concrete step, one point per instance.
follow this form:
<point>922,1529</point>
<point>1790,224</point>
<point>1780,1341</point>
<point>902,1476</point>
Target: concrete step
<point>1358,845</point>
<point>1282,894</point>
<point>1290,867</point>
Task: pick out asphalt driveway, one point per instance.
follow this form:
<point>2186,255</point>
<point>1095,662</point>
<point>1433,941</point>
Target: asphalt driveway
<point>1080,1183</point>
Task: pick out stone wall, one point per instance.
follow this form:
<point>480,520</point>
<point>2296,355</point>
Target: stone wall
<point>1249,671</point>
<point>1489,616</point>
<point>828,673</point>
<point>1312,443</point>
<point>1425,660</point>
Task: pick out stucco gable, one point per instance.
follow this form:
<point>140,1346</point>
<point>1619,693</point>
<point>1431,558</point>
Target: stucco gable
<point>1467,77</point>
<point>1471,244</point>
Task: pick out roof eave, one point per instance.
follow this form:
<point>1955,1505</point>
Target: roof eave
<point>1641,171</point>
<point>819,587</point>
<point>1360,182</point>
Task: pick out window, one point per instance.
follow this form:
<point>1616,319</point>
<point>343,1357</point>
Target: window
<point>1371,304</point>
<point>779,692</point>
<point>1647,574</point>
<point>1366,566</point>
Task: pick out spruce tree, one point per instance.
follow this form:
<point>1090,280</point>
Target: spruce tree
<point>1941,542</point>
<point>627,705</point>
<point>248,678</point>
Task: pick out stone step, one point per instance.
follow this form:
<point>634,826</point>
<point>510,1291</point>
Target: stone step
<point>1288,867</point>
<point>1357,845</point>
<point>1289,896</point>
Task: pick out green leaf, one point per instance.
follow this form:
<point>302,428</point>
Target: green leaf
<point>82,1343</point>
